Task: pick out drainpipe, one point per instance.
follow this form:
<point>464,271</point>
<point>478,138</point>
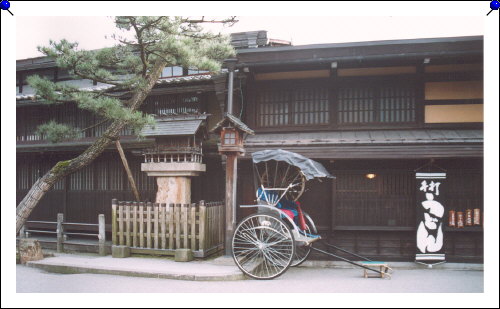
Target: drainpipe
<point>231,64</point>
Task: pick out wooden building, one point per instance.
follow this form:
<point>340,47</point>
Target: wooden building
<point>371,112</point>
<point>185,103</point>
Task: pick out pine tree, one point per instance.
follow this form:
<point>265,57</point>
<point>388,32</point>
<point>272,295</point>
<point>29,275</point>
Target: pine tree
<point>130,69</point>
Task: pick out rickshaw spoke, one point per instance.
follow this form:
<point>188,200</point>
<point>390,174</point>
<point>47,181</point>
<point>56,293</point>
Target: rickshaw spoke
<point>261,250</point>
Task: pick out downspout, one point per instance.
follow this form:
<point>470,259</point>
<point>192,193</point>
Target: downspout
<point>231,64</point>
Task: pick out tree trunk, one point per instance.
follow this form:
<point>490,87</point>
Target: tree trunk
<point>64,168</point>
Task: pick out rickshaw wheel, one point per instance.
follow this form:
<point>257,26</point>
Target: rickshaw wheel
<point>263,246</point>
<point>302,252</point>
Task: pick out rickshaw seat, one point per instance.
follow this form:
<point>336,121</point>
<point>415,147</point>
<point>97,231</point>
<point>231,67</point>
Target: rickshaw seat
<point>290,208</point>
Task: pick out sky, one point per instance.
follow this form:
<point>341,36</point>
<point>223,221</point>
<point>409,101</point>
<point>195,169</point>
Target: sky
<point>35,22</point>
<point>32,31</point>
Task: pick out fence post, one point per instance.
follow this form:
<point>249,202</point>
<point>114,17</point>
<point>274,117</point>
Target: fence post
<point>102,235</point>
<point>171,208</point>
<point>193,226</point>
<point>178,226</point>
<point>156,209</point>
<point>141,224</point>
<point>185,225</point>
<point>148,225</point>
<point>128,228</point>
<point>134,225</point>
<point>121,229</point>
<point>60,232</point>
<point>114,203</point>
<point>22,232</point>
<point>203,232</point>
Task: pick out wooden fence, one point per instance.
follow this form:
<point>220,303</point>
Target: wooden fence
<point>160,229</point>
<point>61,229</point>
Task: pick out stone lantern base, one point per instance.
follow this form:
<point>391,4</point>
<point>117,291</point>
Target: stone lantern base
<point>173,179</point>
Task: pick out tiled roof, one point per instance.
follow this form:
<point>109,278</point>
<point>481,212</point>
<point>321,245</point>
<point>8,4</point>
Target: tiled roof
<point>161,81</point>
<point>184,79</point>
<point>368,137</point>
<point>178,125</point>
<point>92,88</point>
<point>235,121</point>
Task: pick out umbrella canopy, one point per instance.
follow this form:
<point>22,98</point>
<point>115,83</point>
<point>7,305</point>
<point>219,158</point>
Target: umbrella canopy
<point>310,168</point>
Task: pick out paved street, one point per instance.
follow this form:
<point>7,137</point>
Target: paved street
<point>295,280</point>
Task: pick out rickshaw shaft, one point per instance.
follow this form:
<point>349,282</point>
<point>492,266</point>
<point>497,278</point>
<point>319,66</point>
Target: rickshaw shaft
<point>346,260</point>
<point>343,250</point>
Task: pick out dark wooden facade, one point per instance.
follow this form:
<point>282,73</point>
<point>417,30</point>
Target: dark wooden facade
<point>376,217</point>
<point>323,101</point>
<point>88,192</point>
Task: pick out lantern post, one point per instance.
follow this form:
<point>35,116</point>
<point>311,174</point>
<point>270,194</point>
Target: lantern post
<point>232,132</point>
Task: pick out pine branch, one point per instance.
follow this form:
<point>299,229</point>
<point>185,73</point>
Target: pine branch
<point>141,46</point>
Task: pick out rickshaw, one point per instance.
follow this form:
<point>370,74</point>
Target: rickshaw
<point>280,234</point>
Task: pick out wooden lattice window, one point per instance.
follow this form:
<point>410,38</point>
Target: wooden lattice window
<point>173,104</point>
<point>28,171</point>
<point>295,105</point>
<point>356,105</point>
<point>397,104</point>
<point>273,108</point>
<point>82,180</point>
<point>388,199</point>
<point>376,104</point>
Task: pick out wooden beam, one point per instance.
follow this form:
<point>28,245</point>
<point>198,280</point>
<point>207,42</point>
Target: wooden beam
<point>127,169</point>
<point>293,75</point>
<point>377,71</point>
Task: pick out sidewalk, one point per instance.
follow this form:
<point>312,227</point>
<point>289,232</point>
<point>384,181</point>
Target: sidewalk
<point>148,267</point>
<point>218,269</point>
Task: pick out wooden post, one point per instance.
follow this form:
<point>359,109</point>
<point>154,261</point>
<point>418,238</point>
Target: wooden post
<point>60,232</point>
<point>127,169</point>
<point>120,223</point>
<point>156,222</point>
<point>163,214</point>
<point>114,204</point>
<point>221,224</point>
<point>193,226</point>
<point>134,225</point>
<point>203,216</point>
<point>22,232</point>
<point>141,224</point>
<point>148,225</point>
<point>127,224</point>
<point>171,208</point>
<point>185,223</point>
<point>178,226</point>
<point>231,176</point>
<point>102,235</point>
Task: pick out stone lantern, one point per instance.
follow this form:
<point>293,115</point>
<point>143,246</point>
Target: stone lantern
<point>176,156</point>
<point>232,131</point>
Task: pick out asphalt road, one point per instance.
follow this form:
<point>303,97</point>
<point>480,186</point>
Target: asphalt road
<point>295,280</point>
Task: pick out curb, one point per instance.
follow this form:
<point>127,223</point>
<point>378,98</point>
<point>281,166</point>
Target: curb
<point>228,261</point>
<point>69,269</point>
<point>397,265</point>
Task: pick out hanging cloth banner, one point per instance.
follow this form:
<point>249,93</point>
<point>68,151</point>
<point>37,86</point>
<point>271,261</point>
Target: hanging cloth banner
<point>430,217</point>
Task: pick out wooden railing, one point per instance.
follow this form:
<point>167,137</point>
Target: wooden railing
<point>173,155</point>
<point>62,230</point>
<point>160,229</point>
